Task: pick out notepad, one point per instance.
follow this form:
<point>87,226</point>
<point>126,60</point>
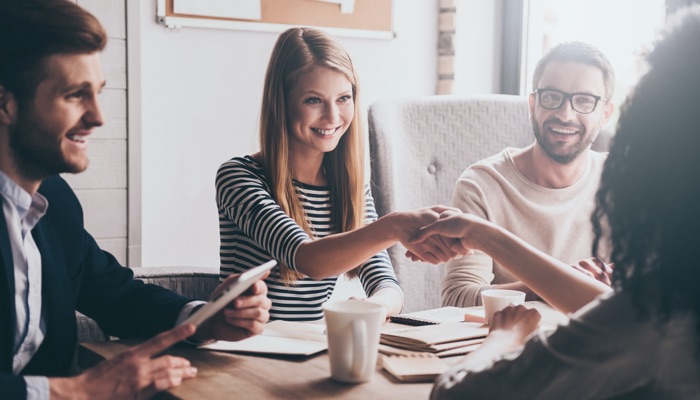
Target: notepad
<point>422,336</point>
<point>449,337</point>
<point>279,337</point>
<point>443,340</point>
<point>415,367</point>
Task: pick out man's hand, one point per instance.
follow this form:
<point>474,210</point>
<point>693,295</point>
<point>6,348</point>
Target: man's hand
<point>596,269</point>
<point>244,317</point>
<point>133,374</point>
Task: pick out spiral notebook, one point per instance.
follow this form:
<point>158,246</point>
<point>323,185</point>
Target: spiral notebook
<point>431,317</point>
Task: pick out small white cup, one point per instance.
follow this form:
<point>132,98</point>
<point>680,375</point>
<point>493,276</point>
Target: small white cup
<point>352,328</point>
<point>497,299</point>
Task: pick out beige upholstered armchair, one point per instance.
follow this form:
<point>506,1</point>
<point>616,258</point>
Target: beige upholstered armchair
<point>418,149</point>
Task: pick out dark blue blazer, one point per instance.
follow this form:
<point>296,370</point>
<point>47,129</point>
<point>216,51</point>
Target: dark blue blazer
<point>76,275</point>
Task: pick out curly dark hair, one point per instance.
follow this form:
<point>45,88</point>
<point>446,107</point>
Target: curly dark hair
<point>650,185</point>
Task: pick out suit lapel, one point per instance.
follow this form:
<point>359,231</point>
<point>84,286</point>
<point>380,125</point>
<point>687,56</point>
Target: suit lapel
<point>57,300</point>
<point>7,298</point>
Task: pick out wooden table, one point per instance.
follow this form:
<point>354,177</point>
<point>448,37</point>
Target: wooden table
<point>237,376</point>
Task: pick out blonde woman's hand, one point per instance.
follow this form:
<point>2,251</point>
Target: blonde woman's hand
<point>465,228</point>
<point>454,244</point>
<point>435,249</point>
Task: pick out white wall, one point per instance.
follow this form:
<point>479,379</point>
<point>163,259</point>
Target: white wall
<point>200,97</point>
<point>102,189</point>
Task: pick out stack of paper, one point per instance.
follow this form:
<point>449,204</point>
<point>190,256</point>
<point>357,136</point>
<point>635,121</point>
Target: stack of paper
<point>443,340</point>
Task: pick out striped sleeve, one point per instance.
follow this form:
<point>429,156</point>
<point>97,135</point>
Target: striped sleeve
<point>377,272</point>
<point>243,197</point>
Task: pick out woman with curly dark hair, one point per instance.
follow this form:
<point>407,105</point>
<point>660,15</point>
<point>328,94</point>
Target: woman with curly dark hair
<point>640,339</point>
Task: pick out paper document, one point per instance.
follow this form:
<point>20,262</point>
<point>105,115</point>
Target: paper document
<point>279,337</point>
<point>239,9</point>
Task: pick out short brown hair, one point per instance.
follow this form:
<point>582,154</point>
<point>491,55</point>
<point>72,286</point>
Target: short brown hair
<point>578,52</point>
<point>33,30</point>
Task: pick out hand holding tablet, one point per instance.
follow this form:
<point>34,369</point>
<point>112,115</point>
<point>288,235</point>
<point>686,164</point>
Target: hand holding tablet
<point>235,288</point>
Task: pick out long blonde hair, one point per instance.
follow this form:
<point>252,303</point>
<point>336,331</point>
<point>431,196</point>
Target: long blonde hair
<point>298,51</point>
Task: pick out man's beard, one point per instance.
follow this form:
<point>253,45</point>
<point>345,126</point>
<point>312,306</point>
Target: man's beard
<point>576,150</point>
<point>37,152</point>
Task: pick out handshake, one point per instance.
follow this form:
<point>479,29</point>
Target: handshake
<point>436,234</point>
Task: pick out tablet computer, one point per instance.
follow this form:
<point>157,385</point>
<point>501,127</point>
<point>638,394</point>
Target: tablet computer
<point>234,289</point>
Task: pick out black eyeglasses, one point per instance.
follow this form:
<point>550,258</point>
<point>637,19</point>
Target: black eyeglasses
<point>582,103</point>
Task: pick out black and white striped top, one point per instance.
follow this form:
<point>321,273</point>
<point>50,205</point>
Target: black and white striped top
<point>254,229</point>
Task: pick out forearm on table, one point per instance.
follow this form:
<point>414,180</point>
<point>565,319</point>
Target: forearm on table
<point>458,294</point>
<point>557,283</point>
<point>465,278</point>
<point>339,253</point>
<point>389,297</point>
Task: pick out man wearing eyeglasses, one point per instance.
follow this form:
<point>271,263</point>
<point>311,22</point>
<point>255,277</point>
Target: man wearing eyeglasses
<point>545,192</point>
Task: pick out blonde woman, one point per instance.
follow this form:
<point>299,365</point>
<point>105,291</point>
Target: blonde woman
<point>302,199</point>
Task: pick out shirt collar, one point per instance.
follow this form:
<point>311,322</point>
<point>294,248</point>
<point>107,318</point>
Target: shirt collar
<point>29,207</point>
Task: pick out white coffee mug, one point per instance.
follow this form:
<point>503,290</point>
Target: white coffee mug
<point>352,328</point>
<point>497,299</point>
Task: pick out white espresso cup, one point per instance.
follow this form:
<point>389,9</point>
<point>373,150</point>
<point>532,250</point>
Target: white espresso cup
<point>497,299</point>
<point>352,328</point>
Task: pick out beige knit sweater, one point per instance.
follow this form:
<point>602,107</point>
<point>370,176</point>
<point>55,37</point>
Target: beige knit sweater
<point>556,221</point>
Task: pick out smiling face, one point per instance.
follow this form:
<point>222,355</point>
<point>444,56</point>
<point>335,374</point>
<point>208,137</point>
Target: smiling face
<point>320,110</point>
<point>49,136</point>
<point>565,134</point>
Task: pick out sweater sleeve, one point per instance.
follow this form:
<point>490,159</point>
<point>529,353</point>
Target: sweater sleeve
<point>377,272</point>
<point>467,276</point>
<point>243,197</point>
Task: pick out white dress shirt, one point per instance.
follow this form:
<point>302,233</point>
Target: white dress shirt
<point>22,212</point>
